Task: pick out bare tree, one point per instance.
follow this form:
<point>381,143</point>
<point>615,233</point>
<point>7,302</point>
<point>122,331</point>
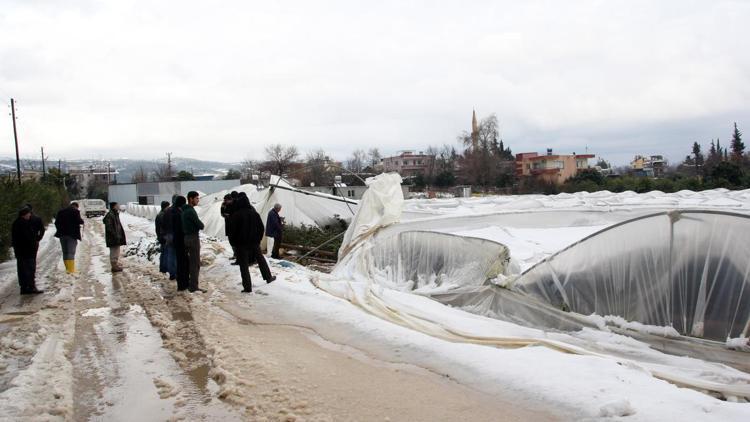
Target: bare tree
<point>317,163</point>
<point>280,157</point>
<point>140,175</point>
<point>248,167</point>
<point>374,157</point>
<point>356,162</point>
<point>431,163</point>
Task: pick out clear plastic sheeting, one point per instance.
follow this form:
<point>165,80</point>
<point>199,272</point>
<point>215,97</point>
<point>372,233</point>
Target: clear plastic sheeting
<point>384,200</point>
<point>386,262</point>
<point>298,207</point>
<point>426,261</point>
<point>683,269</point>
<point>507,305</point>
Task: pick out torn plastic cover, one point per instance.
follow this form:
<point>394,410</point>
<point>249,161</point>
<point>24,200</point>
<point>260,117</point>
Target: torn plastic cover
<point>422,260</point>
<point>684,269</point>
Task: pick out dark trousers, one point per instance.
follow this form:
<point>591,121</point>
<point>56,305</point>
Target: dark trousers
<point>26,267</point>
<point>181,267</point>
<point>276,245</point>
<point>193,251</point>
<point>261,260</point>
<point>163,258</point>
<point>245,255</point>
<point>242,253</point>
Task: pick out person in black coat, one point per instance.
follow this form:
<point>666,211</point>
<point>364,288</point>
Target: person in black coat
<point>36,224</point>
<point>160,230</point>
<point>68,224</point>
<point>24,238</point>
<point>178,239</point>
<point>245,236</point>
<point>274,227</point>
<point>227,206</point>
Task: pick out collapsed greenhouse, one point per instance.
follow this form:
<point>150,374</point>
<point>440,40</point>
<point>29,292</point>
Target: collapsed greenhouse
<point>675,280</point>
<point>576,274</point>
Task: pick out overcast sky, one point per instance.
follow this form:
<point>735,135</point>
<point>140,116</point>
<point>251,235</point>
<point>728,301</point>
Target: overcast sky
<point>220,80</point>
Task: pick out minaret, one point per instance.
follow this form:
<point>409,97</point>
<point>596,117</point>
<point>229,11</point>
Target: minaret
<point>474,130</point>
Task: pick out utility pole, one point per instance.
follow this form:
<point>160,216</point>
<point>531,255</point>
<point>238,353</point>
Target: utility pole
<point>15,137</point>
<point>44,171</point>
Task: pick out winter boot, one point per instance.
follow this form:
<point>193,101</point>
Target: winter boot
<point>70,265</point>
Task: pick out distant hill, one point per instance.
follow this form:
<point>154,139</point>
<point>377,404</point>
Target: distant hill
<point>126,167</point>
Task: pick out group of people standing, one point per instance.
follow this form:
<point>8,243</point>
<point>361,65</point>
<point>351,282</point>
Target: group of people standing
<point>177,228</point>
<point>28,230</point>
<point>244,229</point>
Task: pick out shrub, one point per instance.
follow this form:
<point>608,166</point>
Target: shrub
<point>312,236</point>
<point>45,198</point>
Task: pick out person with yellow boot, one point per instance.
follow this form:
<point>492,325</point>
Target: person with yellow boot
<point>68,224</point>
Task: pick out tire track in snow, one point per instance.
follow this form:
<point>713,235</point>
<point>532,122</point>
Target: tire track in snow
<point>124,369</point>
<point>34,370</point>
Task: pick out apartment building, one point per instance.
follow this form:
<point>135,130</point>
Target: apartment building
<point>551,168</point>
<point>409,163</point>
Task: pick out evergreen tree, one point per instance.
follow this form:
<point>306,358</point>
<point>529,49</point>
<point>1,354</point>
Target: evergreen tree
<point>697,157</point>
<point>719,150</point>
<point>712,151</point>
<point>738,147</point>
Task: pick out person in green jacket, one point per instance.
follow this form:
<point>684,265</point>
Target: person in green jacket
<point>191,225</point>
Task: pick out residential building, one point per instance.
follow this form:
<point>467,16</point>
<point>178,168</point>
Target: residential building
<point>342,190</point>
<point>88,176</point>
<point>551,168</point>
<point>408,163</point>
<point>648,166</point>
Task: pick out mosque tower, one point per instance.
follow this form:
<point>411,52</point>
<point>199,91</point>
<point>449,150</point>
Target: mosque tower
<point>474,130</point>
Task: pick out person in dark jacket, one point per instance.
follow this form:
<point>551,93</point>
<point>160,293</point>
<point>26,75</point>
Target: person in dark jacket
<point>68,224</point>
<point>226,211</point>
<point>161,237</point>
<point>114,236</point>
<point>244,236</point>
<point>36,224</point>
<point>274,228</point>
<point>25,241</point>
<point>178,241</point>
<point>191,225</point>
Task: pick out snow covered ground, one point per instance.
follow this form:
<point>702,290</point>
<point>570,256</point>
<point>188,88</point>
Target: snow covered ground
<point>314,346</point>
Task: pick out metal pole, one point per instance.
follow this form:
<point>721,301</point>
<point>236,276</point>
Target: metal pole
<point>15,137</point>
<point>44,171</point>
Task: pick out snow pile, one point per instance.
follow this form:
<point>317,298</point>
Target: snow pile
<point>145,211</point>
<point>739,343</point>
<point>737,201</point>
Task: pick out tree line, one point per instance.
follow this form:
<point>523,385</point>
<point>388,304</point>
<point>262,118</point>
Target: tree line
<point>484,161</point>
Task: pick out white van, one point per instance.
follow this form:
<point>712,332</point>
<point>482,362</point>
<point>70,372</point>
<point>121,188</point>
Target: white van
<point>93,207</point>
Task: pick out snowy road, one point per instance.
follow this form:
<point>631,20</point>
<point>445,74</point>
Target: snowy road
<point>129,347</point>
